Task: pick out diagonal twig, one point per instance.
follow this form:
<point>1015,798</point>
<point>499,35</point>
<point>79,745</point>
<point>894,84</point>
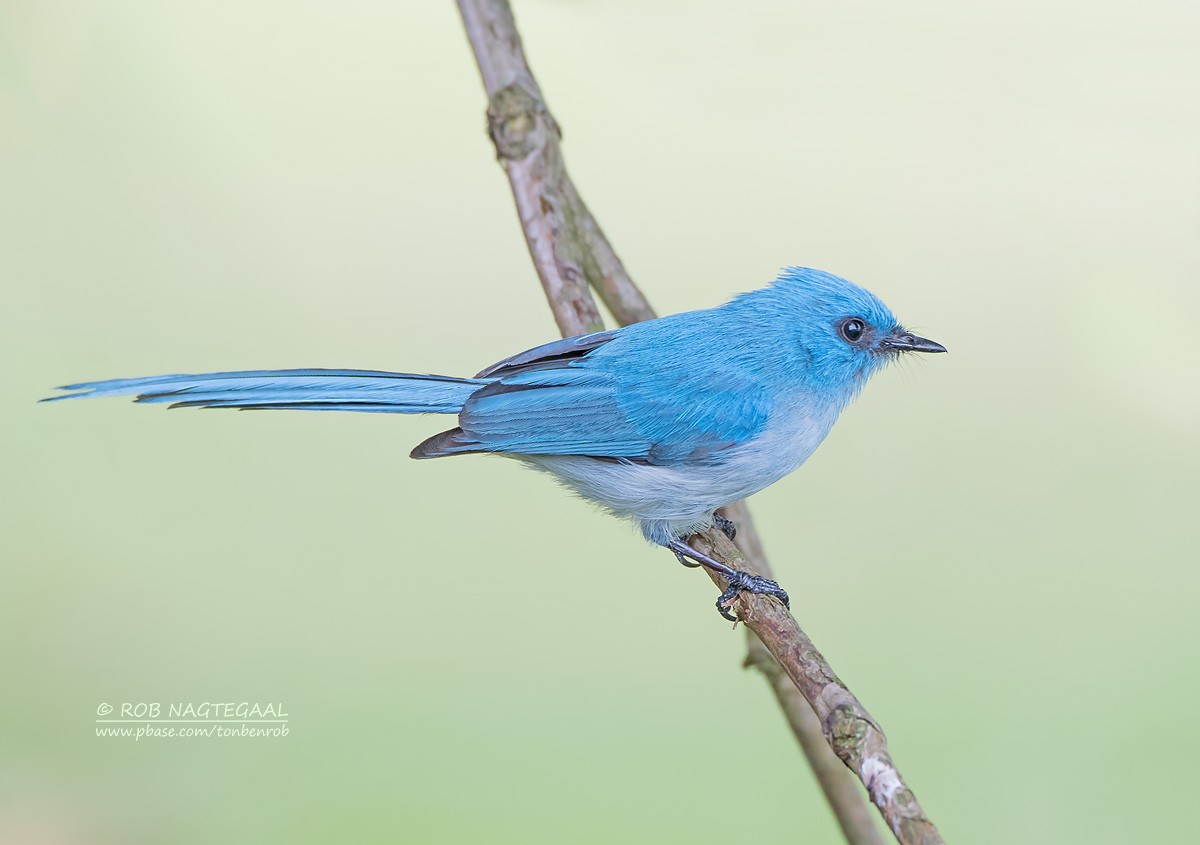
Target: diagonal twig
<point>570,253</point>
<point>848,728</point>
<point>842,792</point>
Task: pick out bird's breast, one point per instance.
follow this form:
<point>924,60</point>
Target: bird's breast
<point>785,443</point>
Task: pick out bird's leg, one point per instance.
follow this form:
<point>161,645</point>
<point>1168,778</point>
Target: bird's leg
<point>738,581</point>
<point>726,526</point>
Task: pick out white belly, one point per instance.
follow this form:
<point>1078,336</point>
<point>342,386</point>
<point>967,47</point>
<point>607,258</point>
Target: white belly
<point>674,501</point>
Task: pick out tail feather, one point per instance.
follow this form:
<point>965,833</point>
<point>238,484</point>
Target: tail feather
<point>452,442</point>
<point>304,390</point>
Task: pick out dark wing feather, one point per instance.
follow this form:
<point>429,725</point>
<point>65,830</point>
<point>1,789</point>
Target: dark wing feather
<point>548,355</point>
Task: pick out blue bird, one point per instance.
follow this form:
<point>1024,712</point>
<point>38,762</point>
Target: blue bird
<point>662,422</point>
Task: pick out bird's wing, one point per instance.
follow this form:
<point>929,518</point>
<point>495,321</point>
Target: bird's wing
<point>559,403</point>
<point>561,411</point>
<point>695,414</point>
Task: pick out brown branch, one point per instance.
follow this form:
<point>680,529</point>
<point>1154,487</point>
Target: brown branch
<point>570,252</point>
<point>566,244</point>
<point>841,790</point>
<point>604,270</point>
<point>848,728</point>
<point>526,139</point>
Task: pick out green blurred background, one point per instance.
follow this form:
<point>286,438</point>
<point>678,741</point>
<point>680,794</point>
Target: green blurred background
<point>995,548</point>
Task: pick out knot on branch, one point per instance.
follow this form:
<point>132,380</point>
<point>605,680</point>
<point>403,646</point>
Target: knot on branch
<point>518,121</point>
<point>847,732</point>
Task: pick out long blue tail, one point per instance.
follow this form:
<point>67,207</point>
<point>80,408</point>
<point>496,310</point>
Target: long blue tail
<point>301,390</point>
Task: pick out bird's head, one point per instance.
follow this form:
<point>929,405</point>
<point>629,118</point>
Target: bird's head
<point>838,333</point>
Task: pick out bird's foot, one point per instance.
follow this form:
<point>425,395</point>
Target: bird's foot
<point>739,581</point>
<point>745,582</point>
<point>726,526</point>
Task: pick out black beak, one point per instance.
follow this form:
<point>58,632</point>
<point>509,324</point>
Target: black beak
<point>905,342</point>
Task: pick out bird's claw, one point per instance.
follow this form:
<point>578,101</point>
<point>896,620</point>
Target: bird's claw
<point>739,581</point>
<point>726,526</point>
<point>689,564</point>
<point>745,582</point>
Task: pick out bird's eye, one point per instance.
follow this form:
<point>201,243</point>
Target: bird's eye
<point>853,329</point>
